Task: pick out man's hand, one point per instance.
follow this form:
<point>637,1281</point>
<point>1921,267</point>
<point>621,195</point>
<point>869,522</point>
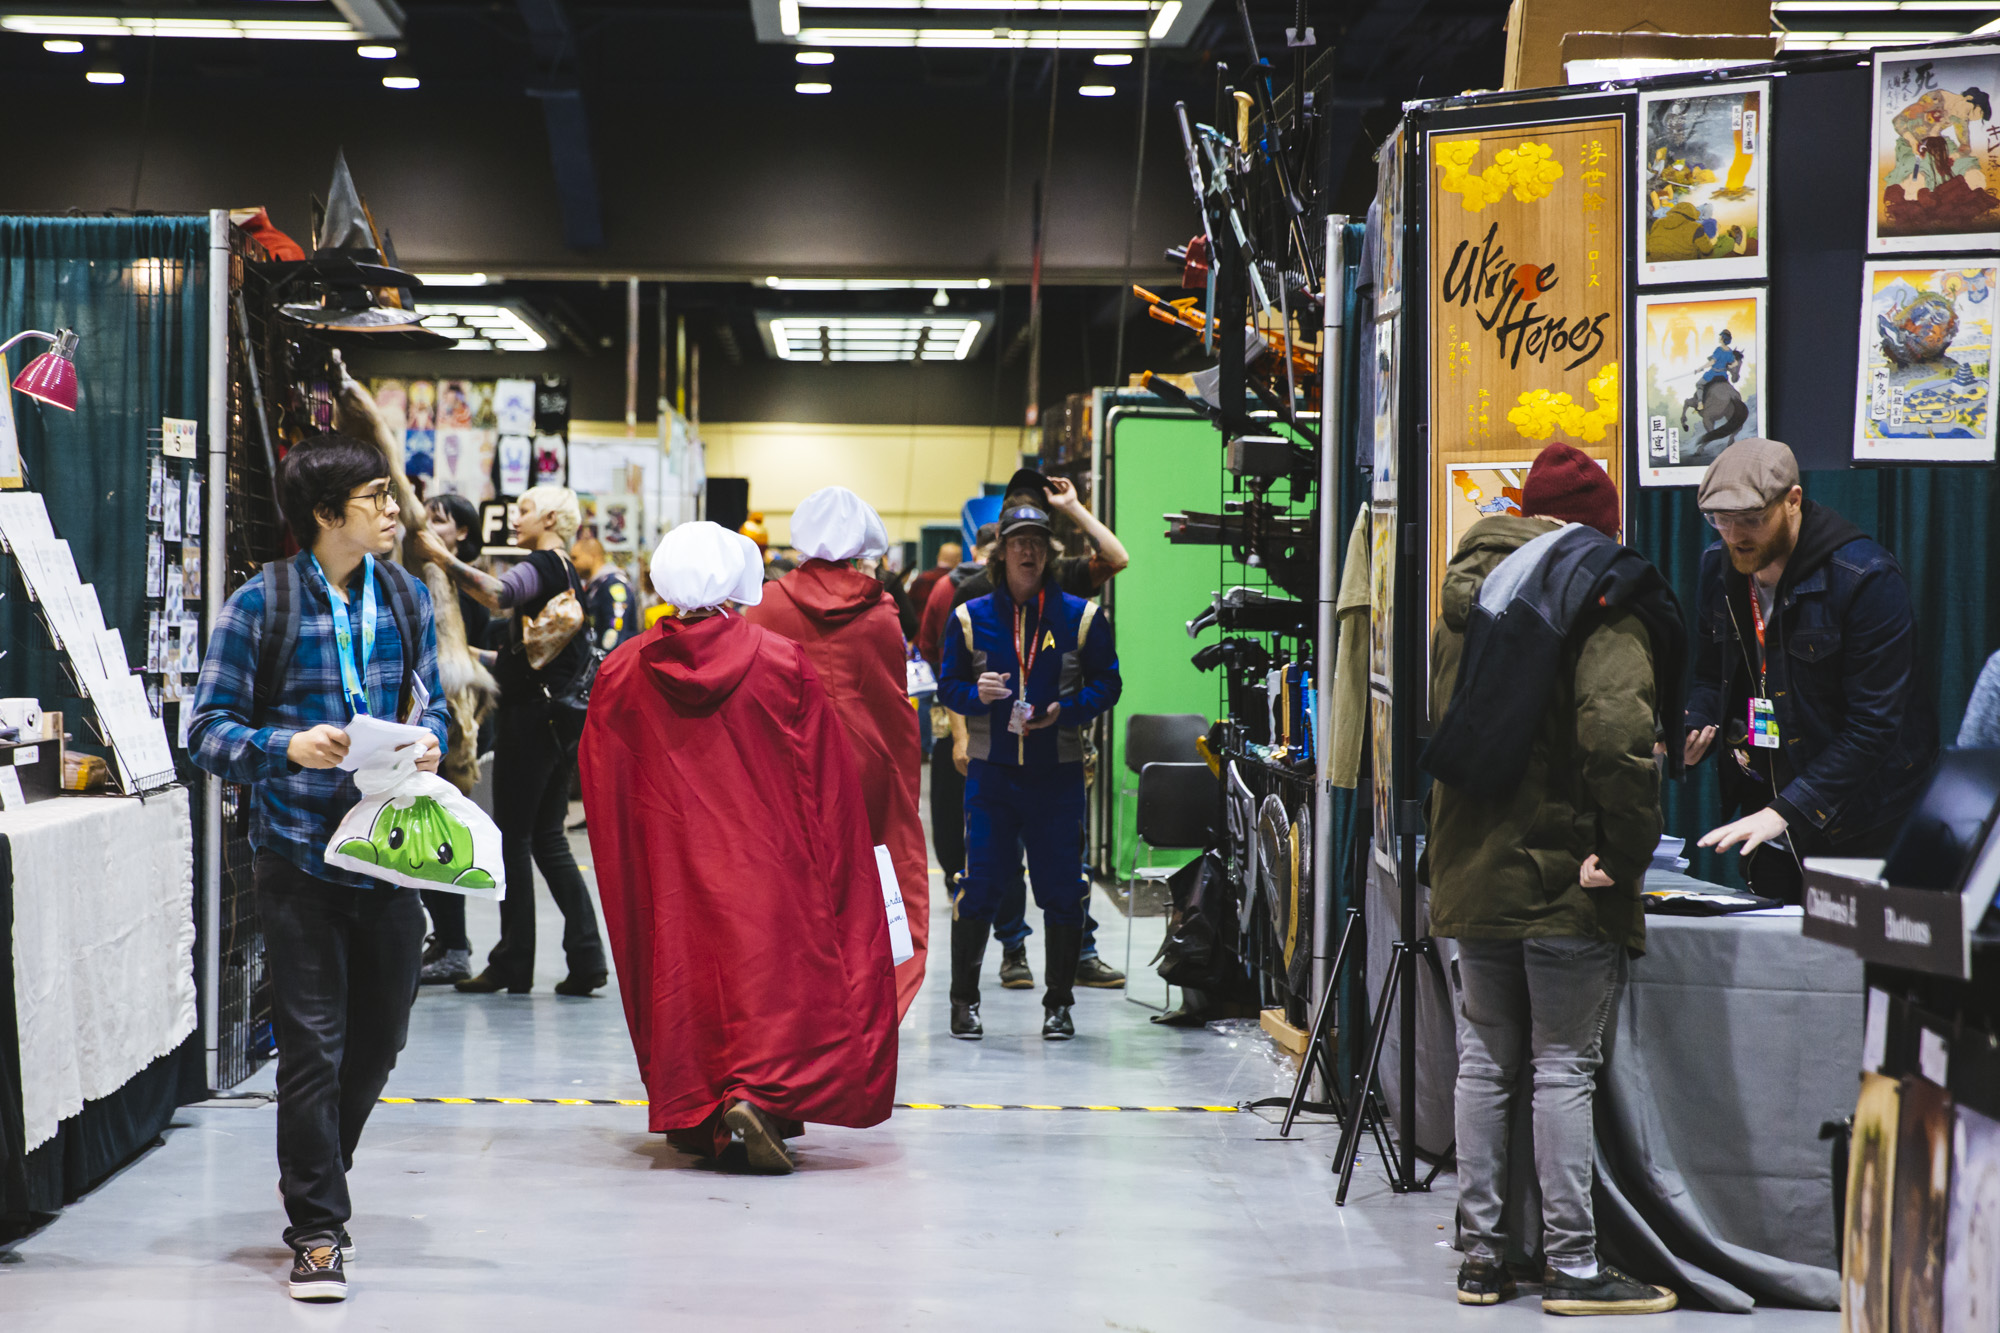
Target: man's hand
<point>323,746</point>
<point>1062,496</point>
<point>1591,875</point>
<point>428,754</point>
<point>1047,719</point>
<point>993,686</point>
<point>1753,831</point>
<point>1697,745</point>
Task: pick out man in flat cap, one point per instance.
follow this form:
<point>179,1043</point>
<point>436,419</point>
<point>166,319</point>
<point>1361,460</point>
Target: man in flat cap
<point>1805,670</point>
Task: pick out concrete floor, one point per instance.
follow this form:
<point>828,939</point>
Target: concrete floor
<point>499,1217</point>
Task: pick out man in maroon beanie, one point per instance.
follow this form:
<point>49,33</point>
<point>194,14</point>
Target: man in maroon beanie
<point>1544,817</point>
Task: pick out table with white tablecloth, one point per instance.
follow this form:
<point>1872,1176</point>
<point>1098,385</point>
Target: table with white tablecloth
<point>98,897</point>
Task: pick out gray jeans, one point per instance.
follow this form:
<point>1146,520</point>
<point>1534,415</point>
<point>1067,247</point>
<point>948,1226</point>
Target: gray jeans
<point>1546,1001</point>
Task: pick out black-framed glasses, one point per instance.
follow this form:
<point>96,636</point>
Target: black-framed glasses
<point>1719,519</point>
<point>381,499</point>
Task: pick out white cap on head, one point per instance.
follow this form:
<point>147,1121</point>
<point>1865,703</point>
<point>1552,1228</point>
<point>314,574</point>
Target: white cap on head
<point>699,565</point>
<point>834,523</point>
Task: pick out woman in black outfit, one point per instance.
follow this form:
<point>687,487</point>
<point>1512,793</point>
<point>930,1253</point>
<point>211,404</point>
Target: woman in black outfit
<point>534,750</point>
<point>448,955</point>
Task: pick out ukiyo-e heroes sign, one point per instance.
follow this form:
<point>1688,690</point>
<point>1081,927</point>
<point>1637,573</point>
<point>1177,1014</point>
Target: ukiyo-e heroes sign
<point>1527,311</point>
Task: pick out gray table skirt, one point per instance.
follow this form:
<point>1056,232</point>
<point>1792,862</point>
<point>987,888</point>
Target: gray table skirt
<point>1735,1039</point>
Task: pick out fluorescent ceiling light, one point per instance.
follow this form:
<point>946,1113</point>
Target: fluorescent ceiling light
<point>1111,59</point>
<point>875,284</point>
<point>872,337</point>
<point>373,52</point>
<point>788,17</point>
<point>814,57</point>
<point>105,76</point>
<point>452,279</point>
<point>991,6</point>
<point>62,46</point>
<point>1168,13</point>
<point>975,39</point>
<point>1881,6</point>
<point>812,89</point>
<point>482,327</point>
<point>402,83</point>
<point>202,25</point>
<point>1097,90</point>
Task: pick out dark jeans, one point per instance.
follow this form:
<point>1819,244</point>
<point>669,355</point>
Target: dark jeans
<point>1008,807</point>
<point>532,758</point>
<point>343,965</point>
<point>1010,924</point>
<point>447,912</point>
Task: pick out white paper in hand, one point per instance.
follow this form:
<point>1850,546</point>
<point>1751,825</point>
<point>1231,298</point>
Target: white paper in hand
<point>901,947</point>
<point>372,744</point>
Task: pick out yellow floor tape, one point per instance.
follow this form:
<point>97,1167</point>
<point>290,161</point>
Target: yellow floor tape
<point>900,1106</point>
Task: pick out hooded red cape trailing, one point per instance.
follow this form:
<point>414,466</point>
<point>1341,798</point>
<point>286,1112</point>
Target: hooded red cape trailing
<point>738,883</point>
<point>848,627</point>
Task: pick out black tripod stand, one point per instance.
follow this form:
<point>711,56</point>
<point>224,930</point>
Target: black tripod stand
<point>1319,1051</point>
<point>1368,1096</point>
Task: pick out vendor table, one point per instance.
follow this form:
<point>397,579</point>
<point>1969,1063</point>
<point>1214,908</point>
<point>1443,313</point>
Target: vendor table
<point>96,990</point>
<point>1735,1039</point>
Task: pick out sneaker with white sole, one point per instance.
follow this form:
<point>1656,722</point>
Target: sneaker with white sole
<point>318,1273</point>
<point>1609,1292</point>
<point>346,1243</point>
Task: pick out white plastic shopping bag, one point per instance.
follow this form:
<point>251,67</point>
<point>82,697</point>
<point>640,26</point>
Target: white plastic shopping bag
<point>417,830</point>
<point>901,947</point>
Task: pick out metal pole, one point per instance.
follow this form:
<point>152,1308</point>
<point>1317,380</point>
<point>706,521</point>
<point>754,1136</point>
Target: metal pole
<point>1330,360</point>
<point>631,357</point>
<point>215,574</point>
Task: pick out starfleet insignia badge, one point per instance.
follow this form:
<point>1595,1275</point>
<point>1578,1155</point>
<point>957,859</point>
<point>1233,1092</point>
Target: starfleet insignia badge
<point>1048,639</point>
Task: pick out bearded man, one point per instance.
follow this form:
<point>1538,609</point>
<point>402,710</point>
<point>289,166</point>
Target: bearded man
<point>1806,670</point>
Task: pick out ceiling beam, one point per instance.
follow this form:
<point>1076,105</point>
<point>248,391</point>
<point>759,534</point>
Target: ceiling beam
<point>561,95</point>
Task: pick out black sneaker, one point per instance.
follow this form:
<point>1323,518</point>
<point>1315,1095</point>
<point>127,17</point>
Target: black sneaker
<point>763,1145</point>
<point>1098,974</point>
<point>1015,974</point>
<point>1610,1292</point>
<point>318,1272</point>
<point>346,1243</point>
<point>1482,1282</point>
<point>965,1022</point>
<point>1057,1024</point>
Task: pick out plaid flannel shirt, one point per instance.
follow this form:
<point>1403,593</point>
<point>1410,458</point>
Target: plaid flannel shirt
<point>294,810</point>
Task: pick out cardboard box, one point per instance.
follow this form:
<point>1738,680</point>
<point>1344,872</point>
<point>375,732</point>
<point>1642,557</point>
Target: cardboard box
<point>1665,46</point>
<point>1536,28</point>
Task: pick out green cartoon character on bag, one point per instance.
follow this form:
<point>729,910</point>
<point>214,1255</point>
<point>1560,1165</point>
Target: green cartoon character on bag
<point>421,839</point>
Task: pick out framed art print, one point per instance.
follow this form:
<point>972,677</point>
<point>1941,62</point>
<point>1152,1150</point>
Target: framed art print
<point>1927,373</point>
<point>1934,172</point>
<point>1700,386</point>
<point>1702,202</point>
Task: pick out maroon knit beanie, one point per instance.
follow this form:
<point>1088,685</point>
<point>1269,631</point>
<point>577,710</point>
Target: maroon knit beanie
<point>1566,483</point>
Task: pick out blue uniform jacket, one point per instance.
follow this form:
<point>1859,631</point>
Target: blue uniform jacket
<point>1075,664</point>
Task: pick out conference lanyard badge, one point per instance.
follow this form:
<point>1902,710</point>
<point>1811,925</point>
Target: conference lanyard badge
<point>1018,717</point>
<point>1763,724</point>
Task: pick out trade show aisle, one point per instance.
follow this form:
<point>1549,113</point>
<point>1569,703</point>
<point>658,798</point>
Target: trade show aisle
<point>538,1217</point>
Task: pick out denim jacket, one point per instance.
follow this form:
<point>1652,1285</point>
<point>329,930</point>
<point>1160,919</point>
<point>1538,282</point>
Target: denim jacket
<point>1857,728</point>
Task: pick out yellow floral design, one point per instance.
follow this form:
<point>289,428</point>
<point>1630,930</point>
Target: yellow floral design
<point>1542,413</point>
<point>1528,171</point>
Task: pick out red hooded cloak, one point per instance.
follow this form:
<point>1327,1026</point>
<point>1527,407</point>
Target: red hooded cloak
<point>738,882</point>
<point>849,630</point>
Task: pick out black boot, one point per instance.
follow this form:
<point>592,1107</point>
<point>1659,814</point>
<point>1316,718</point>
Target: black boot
<point>968,951</point>
<point>1062,945</point>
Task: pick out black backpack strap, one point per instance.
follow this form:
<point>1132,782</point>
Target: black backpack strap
<point>403,607</point>
<point>280,636</point>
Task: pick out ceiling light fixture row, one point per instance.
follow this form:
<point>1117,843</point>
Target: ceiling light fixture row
<point>482,328</point>
<point>1010,26</point>
<point>213,25</point>
<point>872,337</point>
<point>877,284</point>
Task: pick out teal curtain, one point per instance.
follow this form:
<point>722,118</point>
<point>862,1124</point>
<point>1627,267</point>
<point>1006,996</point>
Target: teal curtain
<point>136,292</point>
<point>1942,524</point>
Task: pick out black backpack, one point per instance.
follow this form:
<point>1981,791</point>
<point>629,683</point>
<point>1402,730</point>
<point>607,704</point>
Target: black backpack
<point>281,613</point>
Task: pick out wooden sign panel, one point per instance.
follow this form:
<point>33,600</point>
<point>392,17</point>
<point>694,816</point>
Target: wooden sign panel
<point>1527,312</point>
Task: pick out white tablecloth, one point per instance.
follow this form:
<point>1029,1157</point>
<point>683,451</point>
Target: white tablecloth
<point>103,945</point>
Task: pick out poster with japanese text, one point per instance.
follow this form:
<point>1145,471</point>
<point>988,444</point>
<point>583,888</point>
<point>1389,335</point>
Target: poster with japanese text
<point>1701,183</point>
<point>1935,168</point>
<point>1927,375</point>
<point>1527,301</point>
<point>1700,385</point>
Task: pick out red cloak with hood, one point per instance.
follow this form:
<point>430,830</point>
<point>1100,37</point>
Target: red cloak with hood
<point>739,886</point>
<point>848,627</point>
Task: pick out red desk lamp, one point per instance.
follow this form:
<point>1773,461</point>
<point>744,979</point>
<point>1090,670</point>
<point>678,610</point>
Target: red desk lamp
<point>50,377</point>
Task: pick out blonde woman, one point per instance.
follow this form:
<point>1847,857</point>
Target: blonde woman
<point>534,749</point>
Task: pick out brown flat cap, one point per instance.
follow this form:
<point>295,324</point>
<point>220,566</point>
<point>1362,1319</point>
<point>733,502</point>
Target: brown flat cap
<point>1750,475</point>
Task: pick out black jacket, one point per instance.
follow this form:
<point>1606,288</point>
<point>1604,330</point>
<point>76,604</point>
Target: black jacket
<point>1559,586</point>
<point>1857,727</point>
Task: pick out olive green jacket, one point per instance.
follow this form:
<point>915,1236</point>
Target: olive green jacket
<point>1507,869</point>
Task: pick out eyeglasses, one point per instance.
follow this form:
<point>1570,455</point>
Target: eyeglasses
<point>379,499</point>
<point>1722,520</point>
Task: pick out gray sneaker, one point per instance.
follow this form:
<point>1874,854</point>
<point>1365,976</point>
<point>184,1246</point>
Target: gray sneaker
<point>453,965</point>
<point>1610,1292</point>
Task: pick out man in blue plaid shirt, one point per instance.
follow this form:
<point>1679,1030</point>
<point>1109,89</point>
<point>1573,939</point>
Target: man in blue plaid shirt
<point>344,951</point>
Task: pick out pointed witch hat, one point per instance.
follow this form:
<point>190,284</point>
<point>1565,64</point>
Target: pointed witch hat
<point>349,268</point>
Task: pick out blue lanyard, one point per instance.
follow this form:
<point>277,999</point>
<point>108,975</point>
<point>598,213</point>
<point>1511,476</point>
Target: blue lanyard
<point>343,633</point>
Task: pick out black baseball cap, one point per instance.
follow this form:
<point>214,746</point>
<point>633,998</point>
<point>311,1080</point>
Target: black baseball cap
<point>1027,481</point>
<point>1024,518</point>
